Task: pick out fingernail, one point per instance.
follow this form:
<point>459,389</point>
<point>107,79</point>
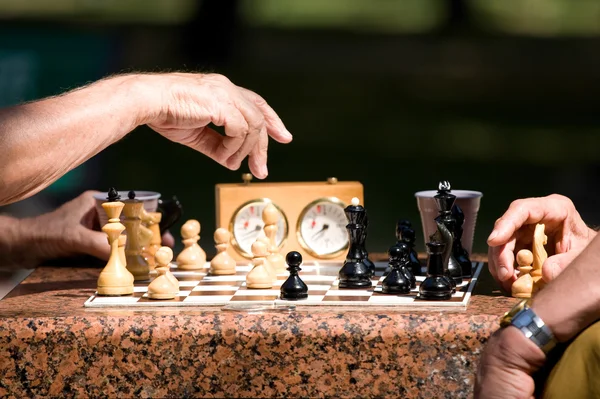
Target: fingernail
<point>554,267</point>
<point>264,171</point>
<point>287,134</point>
<point>502,273</point>
<point>492,236</point>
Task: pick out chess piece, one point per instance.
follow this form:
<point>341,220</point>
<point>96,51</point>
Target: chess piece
<point>145,237</point>
<point>166,285</point>
<point>114,279</point>
<point>270,217</point>
<point>405,263</point>
<point>460,253</point>
<point>396,281</point>
<point>223,263</point>
<point>355,273</point>
<point>446,225</point>
<point>152,223</point>
<point>136,263</point>
<point>259,276</point>
<point>294,288</point>
<point>365,254</point>
<point>193,256</point>
<point>539,256</point>
<point>268,265</point>
<point>122,242</point>
<point>171,211</point>
<point>523,286</point>
<point>405,234</point>
<point>436,285</point>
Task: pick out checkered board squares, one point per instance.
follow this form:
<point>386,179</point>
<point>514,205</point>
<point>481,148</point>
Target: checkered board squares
<point>200,288</point>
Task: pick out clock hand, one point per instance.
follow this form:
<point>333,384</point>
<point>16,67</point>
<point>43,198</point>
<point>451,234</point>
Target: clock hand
<point>325,227</point>
<point>257,228</point>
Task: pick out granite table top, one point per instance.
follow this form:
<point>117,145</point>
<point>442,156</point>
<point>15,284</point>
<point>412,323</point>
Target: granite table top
<point>51,346</point>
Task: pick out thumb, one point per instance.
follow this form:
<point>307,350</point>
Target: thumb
<point>555,264</point>
<point>95,243</point>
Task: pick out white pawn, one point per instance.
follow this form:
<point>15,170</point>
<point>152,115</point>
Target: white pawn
<point>166,285</point>
<point>259,276</point>
<point>193,256</point>
<point>222,263</point>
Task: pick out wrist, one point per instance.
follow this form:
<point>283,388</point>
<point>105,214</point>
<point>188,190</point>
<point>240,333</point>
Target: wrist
<point>519,350</point>
<point>145,92</point>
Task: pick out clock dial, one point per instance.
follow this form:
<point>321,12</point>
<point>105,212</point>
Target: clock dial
<point>322,228</point>
<point>247,225</point>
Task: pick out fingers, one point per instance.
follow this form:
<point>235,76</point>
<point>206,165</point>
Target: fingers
<point>275,127</point>
<point>94,243</point>
<point>501,264</point>
<point>257,162</point>
<point>526,211</point>
<point>555,264</point>
<point>256,127</point>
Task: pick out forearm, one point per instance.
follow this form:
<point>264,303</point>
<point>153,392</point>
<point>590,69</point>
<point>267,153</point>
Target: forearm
<point>18,243</point>
<point>572,302</point>
<point>42,140</point>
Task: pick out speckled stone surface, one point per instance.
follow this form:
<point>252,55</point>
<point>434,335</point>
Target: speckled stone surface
<point>50,345</point>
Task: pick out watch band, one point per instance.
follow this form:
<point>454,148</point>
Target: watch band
<point>534,329</point>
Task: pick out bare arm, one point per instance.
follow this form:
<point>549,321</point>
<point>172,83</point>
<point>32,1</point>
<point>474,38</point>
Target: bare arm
<point>42,140</point>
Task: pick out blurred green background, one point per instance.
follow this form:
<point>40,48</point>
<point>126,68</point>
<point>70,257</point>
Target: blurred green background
<point>500,96</point>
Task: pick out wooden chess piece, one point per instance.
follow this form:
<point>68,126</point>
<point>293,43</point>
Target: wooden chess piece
<point>166,285</point>
<point>154,225</point>
<point>293,288</point>
<point>145,236</point>
<point>270,217</point>
<point>396,282</point>
<point>223,263</point>
<point>539,256</point>
<point>114,279</point>
<point>193,256</point>
<point>122,243</point>
<point>259,276</point>
<point>268,265</point>
<point>136,263</point>
<point>523,286</point>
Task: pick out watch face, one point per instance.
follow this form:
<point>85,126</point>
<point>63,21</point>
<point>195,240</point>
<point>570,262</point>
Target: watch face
<point>322,228</point>
<point>247,226</point>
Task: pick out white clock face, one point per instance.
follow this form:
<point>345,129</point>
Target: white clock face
<point>248,226</point>
<point>323,228</point>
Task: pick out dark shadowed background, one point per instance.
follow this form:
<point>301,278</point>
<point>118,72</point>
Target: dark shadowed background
<point>500,96</point>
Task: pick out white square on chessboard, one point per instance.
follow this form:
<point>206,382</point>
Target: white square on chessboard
<point>224,278</point>
<point>458,294</point>
<point>215,288</point>
<point>257,292</point>
<point>318,287</point>
<point>188,283</point>
<point>244,268</point>
<point>393,299</point>
<point>311,277</point>
<point>346,292</point>
<point>211,299</point>
<point>140,289</point>
<point>180,293</point>
<point>116,299</point>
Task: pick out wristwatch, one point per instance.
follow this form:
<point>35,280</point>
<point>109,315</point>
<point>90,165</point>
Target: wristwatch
<point>530,324</point>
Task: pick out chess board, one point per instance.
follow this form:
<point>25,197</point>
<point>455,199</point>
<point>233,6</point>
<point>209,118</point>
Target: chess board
<point>199,288</point>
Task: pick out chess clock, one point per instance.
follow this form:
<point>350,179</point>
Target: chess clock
<point>312,219</point>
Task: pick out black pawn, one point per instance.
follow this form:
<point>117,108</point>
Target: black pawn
<point>436,285</point>
<point>395,282</point>
<point>294,288</point>
<point>113,195</point>
<point>460,253</point>
<point>405,263</point>
<point>131,195</point>
<point>408,237</point>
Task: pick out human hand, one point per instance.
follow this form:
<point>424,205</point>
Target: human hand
<point>189,102</point>
<point>567,236</point>
<point>72,229</point>
<point>506,365</point>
